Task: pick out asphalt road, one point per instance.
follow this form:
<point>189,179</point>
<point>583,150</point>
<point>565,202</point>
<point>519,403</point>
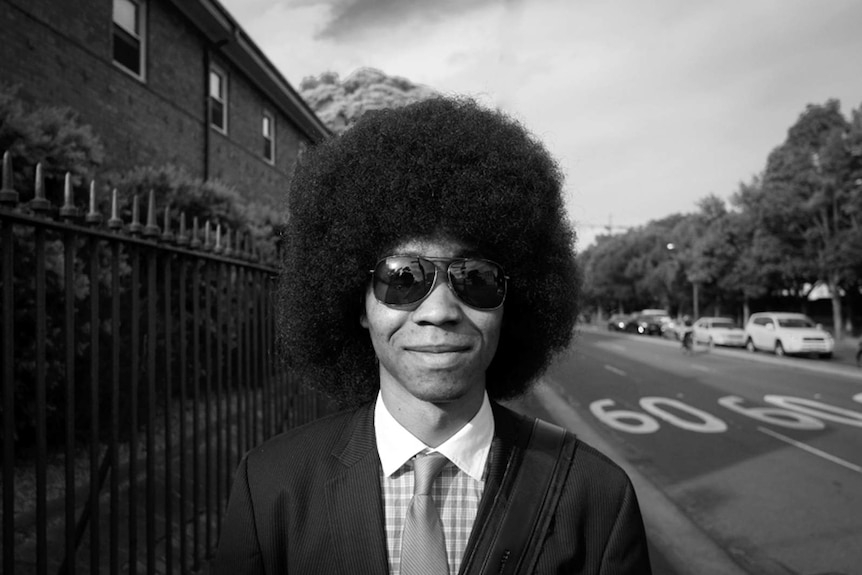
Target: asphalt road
<point>744,463</point>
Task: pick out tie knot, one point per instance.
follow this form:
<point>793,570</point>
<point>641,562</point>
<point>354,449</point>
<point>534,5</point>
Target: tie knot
<point>425,470</point>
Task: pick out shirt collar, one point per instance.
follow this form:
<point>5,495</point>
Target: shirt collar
<point>468,448</point>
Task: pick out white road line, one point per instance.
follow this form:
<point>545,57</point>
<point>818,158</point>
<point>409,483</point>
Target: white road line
<point>812,450</point>
<point>615,370</point>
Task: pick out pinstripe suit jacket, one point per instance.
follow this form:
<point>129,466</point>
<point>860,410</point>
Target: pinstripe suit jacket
<point>310,501</point>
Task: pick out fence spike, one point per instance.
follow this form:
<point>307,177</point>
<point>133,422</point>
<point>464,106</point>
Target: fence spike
<point>196,238</point>
<point>93,217</point>
<point>115,223</point>
<point>207,245</point>
<point>8,195</point>
<point>182,238</point>
<point>135,227</point>
<point>167,234</point>
<point>68,210</point>
<point>151,230</point>
<point>40,203</point>
<point>228,250</point>
<point>218,247</point>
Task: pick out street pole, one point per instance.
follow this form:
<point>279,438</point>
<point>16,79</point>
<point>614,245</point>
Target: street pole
<point>694,300</point>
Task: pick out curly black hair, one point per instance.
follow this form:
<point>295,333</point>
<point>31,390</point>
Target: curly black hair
<point>445,166</point>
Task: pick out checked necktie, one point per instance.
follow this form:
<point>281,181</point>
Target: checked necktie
<point>423,549</point>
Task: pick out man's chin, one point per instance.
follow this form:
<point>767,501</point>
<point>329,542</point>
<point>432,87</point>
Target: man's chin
<point>444,393</point>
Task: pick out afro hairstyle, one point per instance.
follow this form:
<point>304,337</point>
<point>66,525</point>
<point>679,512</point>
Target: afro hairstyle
<point>441,167</point>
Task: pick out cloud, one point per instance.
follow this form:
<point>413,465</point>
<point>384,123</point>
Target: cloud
<point>352,19</point>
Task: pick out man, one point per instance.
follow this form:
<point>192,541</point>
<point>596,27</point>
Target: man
<point>429,273</point>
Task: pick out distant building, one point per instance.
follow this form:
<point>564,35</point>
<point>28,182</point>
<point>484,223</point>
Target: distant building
<point>162,81</point>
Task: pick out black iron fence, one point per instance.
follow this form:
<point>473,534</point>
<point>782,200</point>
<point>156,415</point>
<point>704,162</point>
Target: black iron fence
<point>138,364</point>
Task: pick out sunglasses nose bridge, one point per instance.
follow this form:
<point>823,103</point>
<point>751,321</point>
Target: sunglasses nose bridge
<point>441,303</point>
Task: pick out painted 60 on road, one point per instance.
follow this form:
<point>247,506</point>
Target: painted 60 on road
<point>783,411</point>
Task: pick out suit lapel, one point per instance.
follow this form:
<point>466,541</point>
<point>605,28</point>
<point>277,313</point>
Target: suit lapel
<point>355,501</point>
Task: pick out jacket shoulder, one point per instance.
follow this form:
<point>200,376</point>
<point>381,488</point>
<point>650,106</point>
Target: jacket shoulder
<point>309,441</point>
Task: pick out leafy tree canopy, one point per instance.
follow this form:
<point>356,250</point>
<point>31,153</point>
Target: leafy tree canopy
<point>340,103</point>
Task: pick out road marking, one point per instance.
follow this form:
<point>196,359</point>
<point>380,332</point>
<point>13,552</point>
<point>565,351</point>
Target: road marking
<point>812,450</point>
<point>615,370</point>
<point>701,368</point>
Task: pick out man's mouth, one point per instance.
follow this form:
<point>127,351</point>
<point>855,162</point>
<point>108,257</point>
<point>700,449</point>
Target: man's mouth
<point>445,348</point>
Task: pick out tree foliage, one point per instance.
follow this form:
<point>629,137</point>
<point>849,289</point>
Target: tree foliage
<point>340,103</point>
<point>794,226</point>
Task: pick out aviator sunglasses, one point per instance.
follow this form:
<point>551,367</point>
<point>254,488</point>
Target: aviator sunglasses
<point>404,280</point>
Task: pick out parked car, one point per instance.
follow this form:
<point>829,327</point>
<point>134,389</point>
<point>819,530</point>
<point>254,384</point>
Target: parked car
<point>618,322</point>
<point>719,331</point>
<point>787,333</point>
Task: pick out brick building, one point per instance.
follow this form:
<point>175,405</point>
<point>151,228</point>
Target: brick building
<point>162,81</point>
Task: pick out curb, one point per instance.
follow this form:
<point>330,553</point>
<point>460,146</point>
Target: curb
<point>685,545</point>
<point>835,367</point>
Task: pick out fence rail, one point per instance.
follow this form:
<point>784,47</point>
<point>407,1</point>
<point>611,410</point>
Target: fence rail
<point>137,366</point>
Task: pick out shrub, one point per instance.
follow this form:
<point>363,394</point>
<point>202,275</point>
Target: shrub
<point>48,134</point>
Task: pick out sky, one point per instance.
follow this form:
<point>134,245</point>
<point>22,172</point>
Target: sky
<point>648,106</point>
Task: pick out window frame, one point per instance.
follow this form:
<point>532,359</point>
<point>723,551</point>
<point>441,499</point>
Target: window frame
<point>140,36</point>
<point>223,99</point>
<point>268,115</point>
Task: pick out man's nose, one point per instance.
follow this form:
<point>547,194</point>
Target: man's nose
<point>440,306</point>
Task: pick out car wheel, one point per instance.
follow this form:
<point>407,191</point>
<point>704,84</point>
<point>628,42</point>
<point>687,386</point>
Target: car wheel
<point>779,349</point>
<point>826,355</point>
<point>749,345</point>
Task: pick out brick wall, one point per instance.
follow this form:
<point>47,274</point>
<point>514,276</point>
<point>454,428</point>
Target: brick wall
<point>60,54</point>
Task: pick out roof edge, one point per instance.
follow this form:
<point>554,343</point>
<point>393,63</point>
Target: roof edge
<point>223,31</point>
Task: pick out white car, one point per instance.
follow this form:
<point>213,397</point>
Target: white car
<point>719,331</point>
<point>787,333</point>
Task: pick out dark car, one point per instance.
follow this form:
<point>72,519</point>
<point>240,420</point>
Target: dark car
<point>645,324</point>
<point>618,322</point>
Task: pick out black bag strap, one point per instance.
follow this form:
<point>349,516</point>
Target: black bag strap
<point>514,546</point>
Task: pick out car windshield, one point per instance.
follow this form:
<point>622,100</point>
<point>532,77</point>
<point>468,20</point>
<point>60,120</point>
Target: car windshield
<point>724,324</point>
<point>795,322</point>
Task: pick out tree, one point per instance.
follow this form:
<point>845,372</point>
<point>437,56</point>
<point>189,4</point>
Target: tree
<point>339,104</point>
<point>811,200</point>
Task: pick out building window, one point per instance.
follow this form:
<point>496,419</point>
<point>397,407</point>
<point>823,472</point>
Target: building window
<point>129,37</point>
<point>218,99</point>
<point>268,133</point>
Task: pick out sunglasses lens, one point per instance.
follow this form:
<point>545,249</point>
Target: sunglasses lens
<point>400,280</point>
<point>405,280</point>
<point>479,283</point>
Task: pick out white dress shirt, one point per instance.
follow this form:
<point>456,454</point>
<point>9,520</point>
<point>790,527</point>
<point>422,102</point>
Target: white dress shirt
<point>456,491</point>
